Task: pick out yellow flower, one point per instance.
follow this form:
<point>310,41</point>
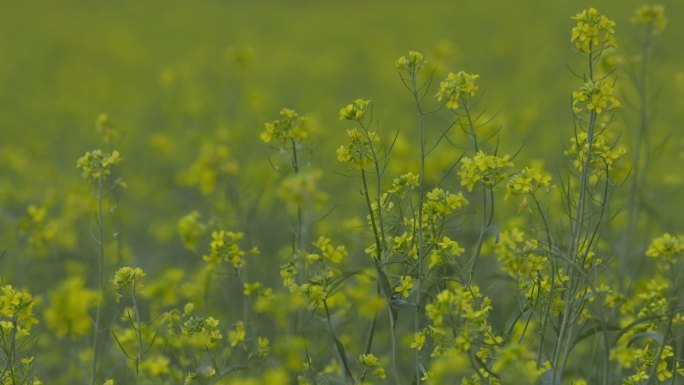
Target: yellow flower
<point>70,303</point>
<point>264,348</point>
<point>594,95</point>
<point>225,249</point>
<point>527,181</point>
<point>405,286</point>
<point>6,326</point>
<point>413,63</point>
<point>418,340</point>
<point>355,110</point>
<point>17,305</point>
<point>237,336</point>
<point>95,165</point>
<point>666,247</point>
<point>482,168</point>
<point>359,151</point>
<point>456,86</point>
<point>651,15</point>
<point>127,281</point>
<point>155,366</point>
<point>370,361</point>
<point>290,127</point>
<point>191,229</point>
<point>593,32</point>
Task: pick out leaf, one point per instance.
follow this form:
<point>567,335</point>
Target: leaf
<point>594,330</point>
<point>384,282</point>
<point>338,281</point>
<point>343,356</point>
<point>226,371</point>
<point>123,350</point>
<point>655,336</point>
<point>395,316</point>
<point>495,231</point>
<point>398,303</point>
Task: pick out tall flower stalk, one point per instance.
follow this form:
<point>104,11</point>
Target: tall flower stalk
<point>96,167</point>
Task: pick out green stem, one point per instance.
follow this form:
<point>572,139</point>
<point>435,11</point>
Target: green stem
<point>297,236</point>
<point>381,274</point>
<point>640,142</point>
<point>421,191</point>
<point>348,377</point>
<point>487,218</point>
<point>577,225</point>
<point>138,329</point>
<point>471,124</point>
<point>100,268</point>
<point>552,261</point>
<point>376,234</point>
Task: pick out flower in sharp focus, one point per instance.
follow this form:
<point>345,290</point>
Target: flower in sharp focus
<point>456,86</point>
<point>593,32</point>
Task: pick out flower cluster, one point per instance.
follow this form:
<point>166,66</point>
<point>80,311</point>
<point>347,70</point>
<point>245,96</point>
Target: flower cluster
<point>127,281</point>
<point>593,31</point>
<point>155,366</point>
<point>331,253</point>
<point>190,229</point>
<point>370,362</point>
<point>359,151</point>
<point>16,321</point>
<point>290,127</point>
<point>594,96</point>
<point>317,270</point>
<point>96,165</point>
<point>458,317</point>
<point>651,15</point>
<point>445,252</point>
<point>205,330</point>
<point>225,248</point>
<point>41,231</point>
<point>440,203</point>
<point>355,110</point>
<point>601,156</point>
<point>666,248</point>
<point>643,361</point>
<point>528,181</point>
<point>456,86</point>
<point>107,129</point>
<point>213,162</point>
<point>404,183</point>
<point>521,257</point>
<point>68,312</point>
<point>482,168</point>
<point>237,335</point>
<point>16,311</point>
<point>412,63</point>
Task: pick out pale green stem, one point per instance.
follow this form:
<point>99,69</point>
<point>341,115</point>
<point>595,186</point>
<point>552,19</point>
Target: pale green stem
<point>638,169</point>
<point>565,332</point>
<point>421,191</point>
<point>100,268</point>
<point>138,329</point>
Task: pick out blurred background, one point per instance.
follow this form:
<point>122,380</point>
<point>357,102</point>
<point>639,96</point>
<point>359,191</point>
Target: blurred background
<point>181,82</point>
